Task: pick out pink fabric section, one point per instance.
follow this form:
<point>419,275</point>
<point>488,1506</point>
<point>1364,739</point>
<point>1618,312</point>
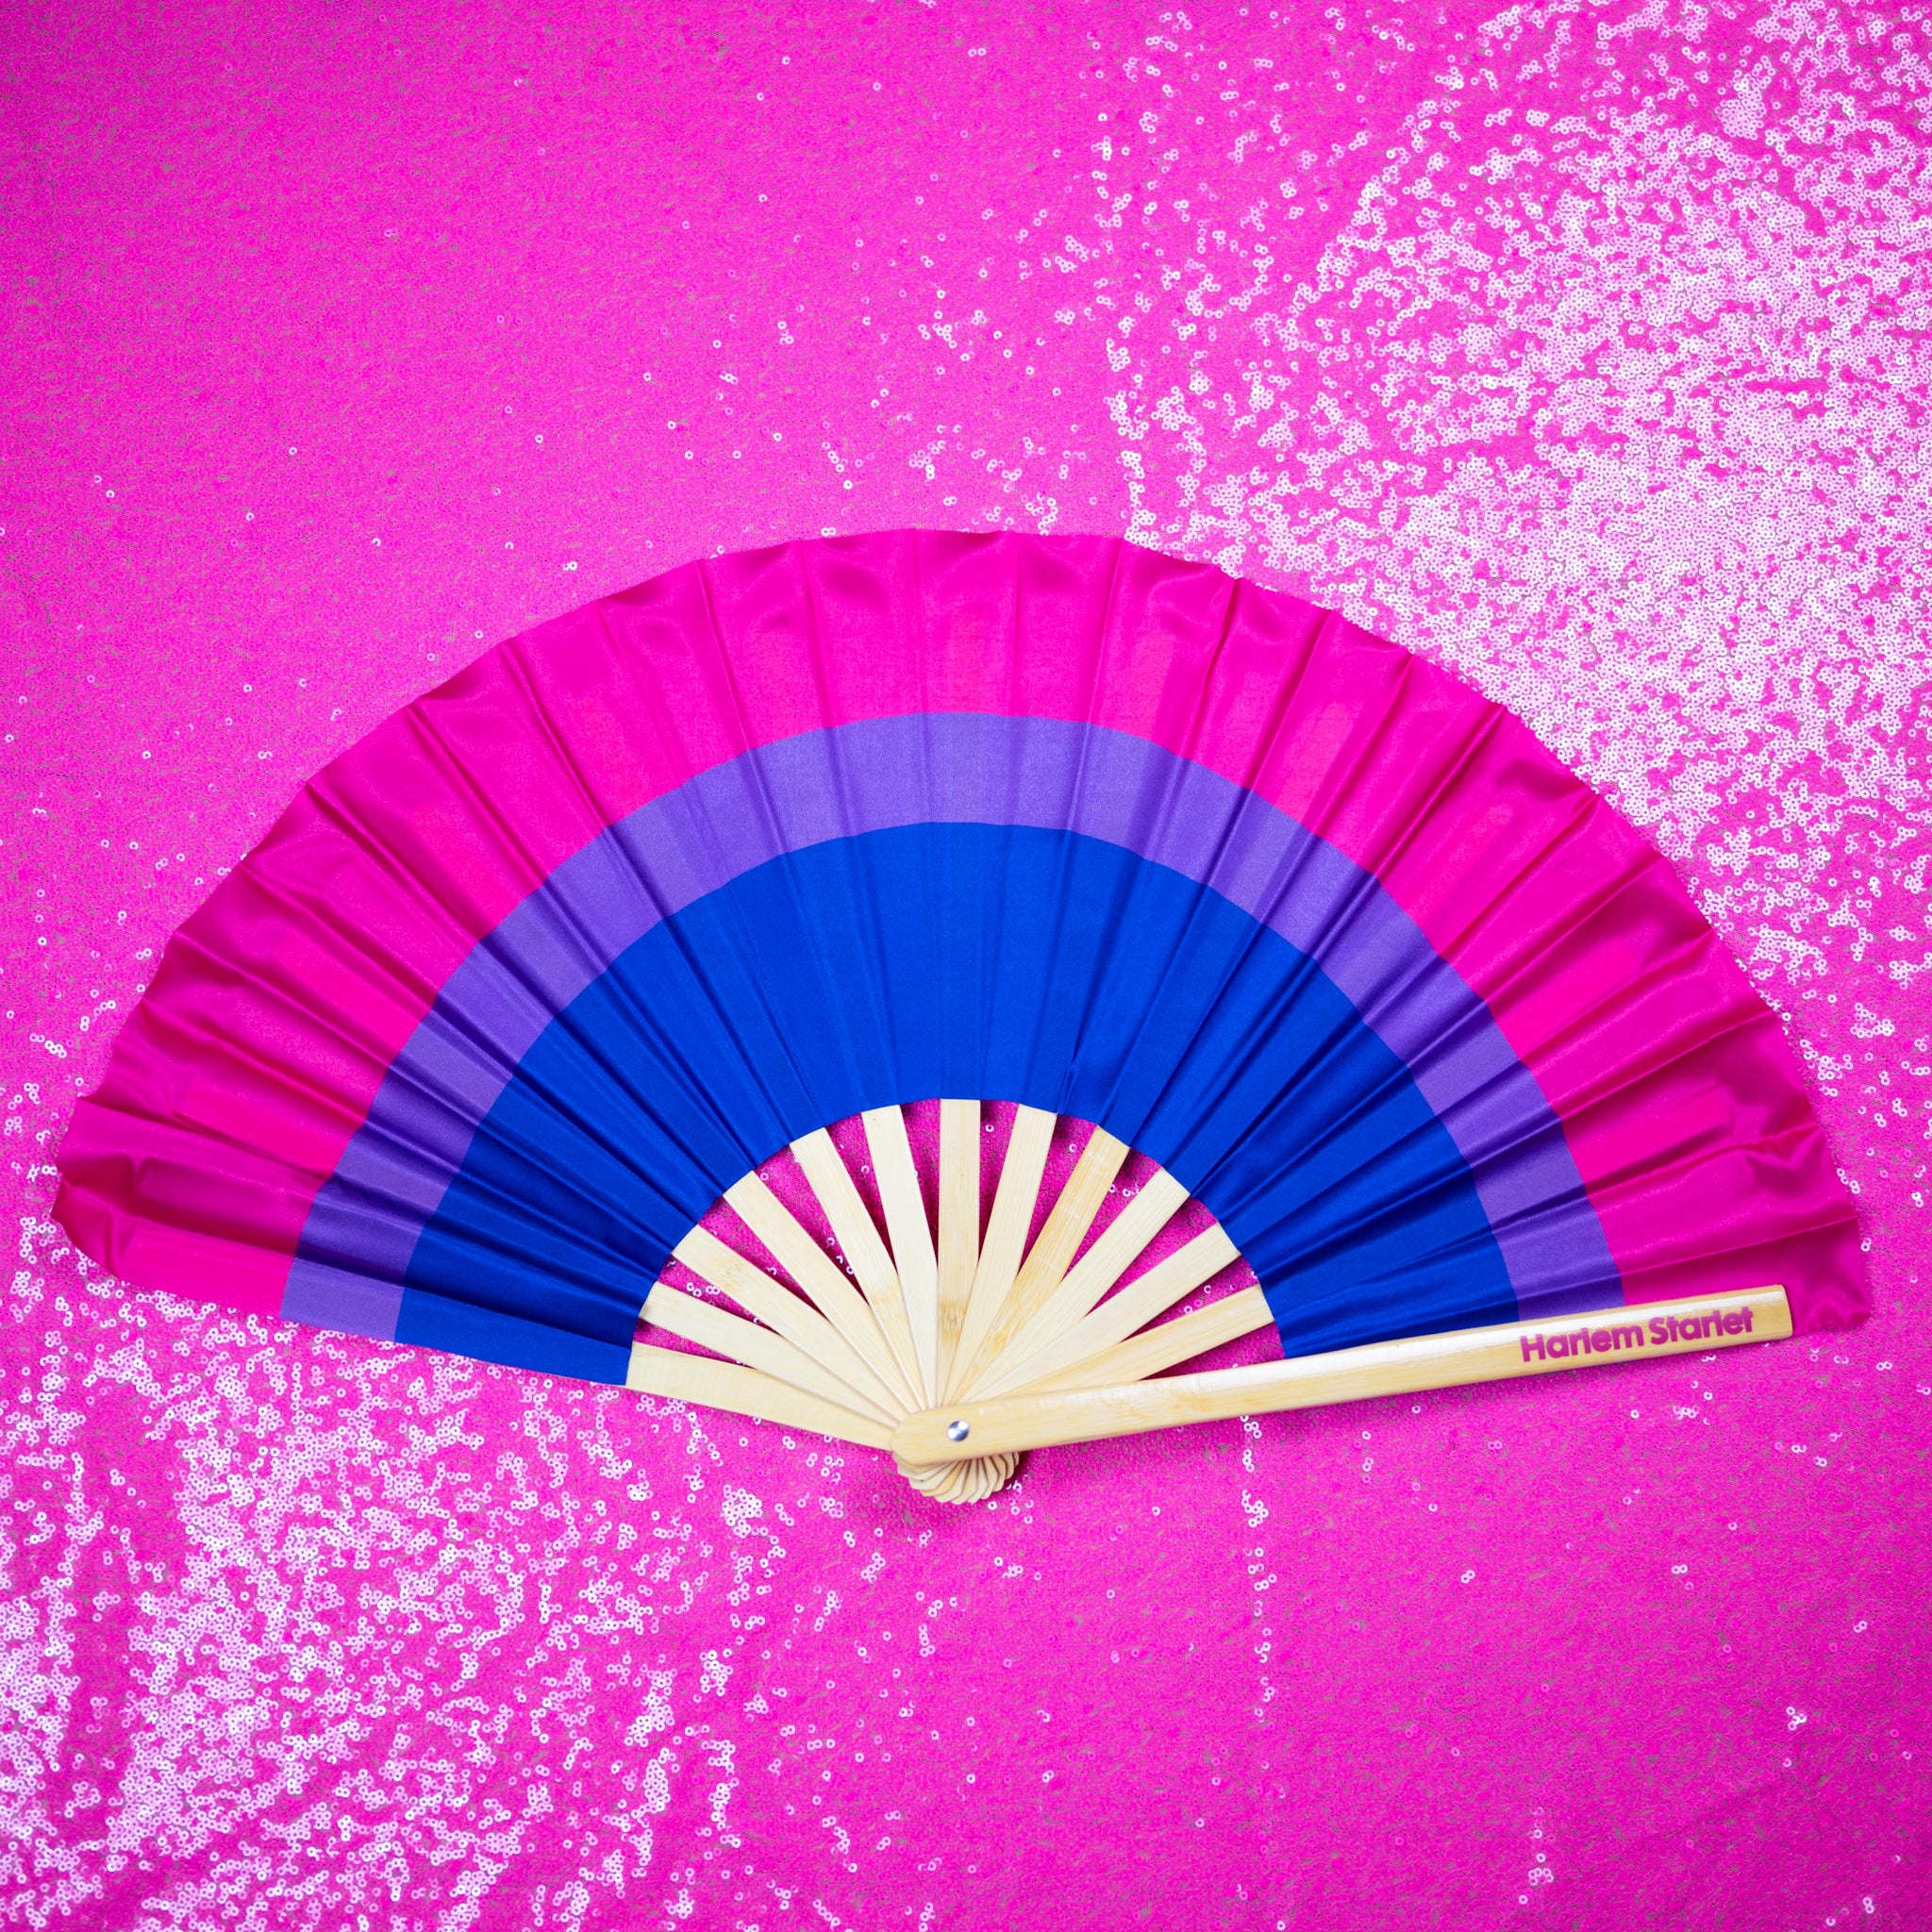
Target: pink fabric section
<point>1690,1130</point>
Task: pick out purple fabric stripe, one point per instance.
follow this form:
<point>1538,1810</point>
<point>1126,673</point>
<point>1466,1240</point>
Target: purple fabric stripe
<point>938,768</point>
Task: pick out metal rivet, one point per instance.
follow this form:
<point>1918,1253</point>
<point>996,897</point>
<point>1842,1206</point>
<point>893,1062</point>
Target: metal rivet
<point>957,1432</point>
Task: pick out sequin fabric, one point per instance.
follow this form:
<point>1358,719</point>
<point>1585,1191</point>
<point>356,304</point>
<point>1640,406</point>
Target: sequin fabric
<point>1581,348</point>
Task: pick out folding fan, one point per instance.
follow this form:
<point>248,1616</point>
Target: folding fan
<point>1234,971</point>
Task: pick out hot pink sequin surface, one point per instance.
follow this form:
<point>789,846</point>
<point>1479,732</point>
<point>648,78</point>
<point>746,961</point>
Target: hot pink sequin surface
<point>1582,348</point>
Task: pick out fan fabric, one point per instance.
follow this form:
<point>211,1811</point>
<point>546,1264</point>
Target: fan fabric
<point>522,983</point>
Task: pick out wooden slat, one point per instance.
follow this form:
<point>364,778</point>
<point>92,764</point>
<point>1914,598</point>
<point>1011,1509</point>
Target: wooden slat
<point>1049,1258</point>
<point>958,1246</point>
<point>1512,1349</point>
<point>1084,1284</point>
<point>778,1308</point>
<point>943,1481</point>
<point>1170,1280</point>
<point>1007,1229</point>
<point>911,1236</point>
<point>1155,1349</point>
<point>959,1482</point>
<point>865,1248</point>
<point>691,1320</point>
<point>746,1391</point>
<point>814,1271</point>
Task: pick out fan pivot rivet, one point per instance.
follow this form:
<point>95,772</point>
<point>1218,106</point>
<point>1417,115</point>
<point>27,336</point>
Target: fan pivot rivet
<point>958,1432</point>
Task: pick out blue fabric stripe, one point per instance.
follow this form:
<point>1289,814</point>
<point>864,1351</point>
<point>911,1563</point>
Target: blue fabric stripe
<point>949,768</point>
<point>1012,963</point>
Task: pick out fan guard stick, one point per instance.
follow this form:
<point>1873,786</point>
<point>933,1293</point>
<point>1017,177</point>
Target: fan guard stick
<point>1352,1375</point>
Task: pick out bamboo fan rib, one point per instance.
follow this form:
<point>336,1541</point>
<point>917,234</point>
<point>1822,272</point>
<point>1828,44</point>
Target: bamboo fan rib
<point>937,1313</point>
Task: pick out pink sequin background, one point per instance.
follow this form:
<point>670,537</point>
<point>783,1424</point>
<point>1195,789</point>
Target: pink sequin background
<point>1586,348</point>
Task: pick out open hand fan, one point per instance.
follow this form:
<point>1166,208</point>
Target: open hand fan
<point>1350,1011</point>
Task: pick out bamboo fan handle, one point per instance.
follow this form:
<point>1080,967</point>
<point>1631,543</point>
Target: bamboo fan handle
<point>1350,1374</point>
